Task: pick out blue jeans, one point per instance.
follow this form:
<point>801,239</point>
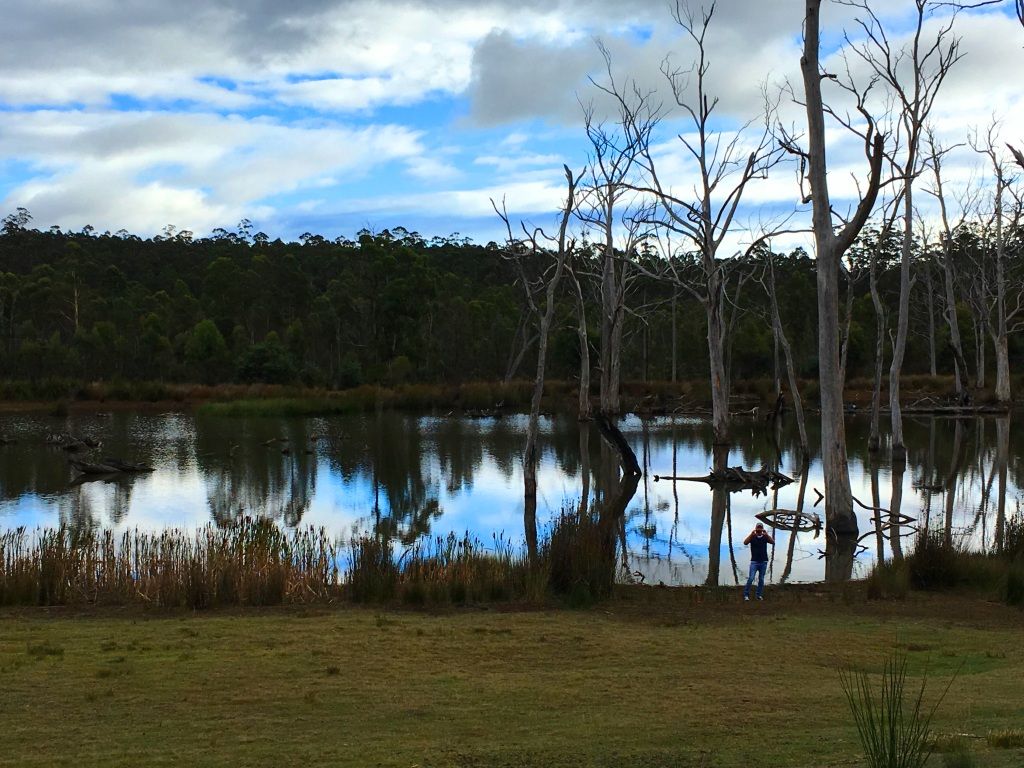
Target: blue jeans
<point>759,569</point>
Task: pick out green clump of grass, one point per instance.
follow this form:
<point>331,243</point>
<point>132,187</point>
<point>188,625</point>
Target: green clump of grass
<point>43,649</point>
<point>1011,738</point>
<point>959,758</point>
<point>893,724</point>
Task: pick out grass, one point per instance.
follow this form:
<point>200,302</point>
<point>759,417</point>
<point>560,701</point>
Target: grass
<point>652,677</point>
<point>938,565</point>
<point>893,724</point>
<point>252,562</point>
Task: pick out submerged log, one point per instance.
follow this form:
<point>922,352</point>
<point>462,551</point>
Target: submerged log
<point>737,476</point>
<point>90,468</point>
<point>108,466</point>
<point>791,520</point>
<point>126,466</point>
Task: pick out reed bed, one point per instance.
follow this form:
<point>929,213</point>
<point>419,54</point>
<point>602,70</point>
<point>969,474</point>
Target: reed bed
<point>251,562</point>
<point>445,569</point>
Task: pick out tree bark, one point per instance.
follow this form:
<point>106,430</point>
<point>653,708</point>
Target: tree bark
<point>829,248</point>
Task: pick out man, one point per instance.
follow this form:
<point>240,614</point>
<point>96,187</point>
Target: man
<point>758,539</point>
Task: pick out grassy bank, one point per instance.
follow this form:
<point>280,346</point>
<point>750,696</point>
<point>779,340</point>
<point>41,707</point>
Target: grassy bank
<point>653,397</point>
<point>675,677</point>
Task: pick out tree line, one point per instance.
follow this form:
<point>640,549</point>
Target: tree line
<point>394,307</point>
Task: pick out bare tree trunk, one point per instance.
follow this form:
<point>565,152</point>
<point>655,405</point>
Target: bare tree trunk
<point>930,289</point>
<point>719,499</point>
<point>675,295</point>
<point>719,375</point>
<point>581,333</point>
<point>979,350</point>
<point>830,247</point>
<point>847,321</point>
<point>899,347</point>
<point>874,438</point>
<point>780,336</point>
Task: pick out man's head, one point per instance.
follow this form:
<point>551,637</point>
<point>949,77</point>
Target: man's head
<point>759,528</point>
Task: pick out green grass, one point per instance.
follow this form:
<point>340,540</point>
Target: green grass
<point>650,678</point>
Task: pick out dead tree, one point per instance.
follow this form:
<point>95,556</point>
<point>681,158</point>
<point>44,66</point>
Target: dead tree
<point>913,74</point>
<point>723,166</point>
<point>945,256</point>
<point>583,410</point>
<point>1005,312</point>
<point>779,333</point>
<point>609,205</point>
<point>830,246</point>
<point>541,296</point>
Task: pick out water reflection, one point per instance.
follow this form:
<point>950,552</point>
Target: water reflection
<point>407,477</point>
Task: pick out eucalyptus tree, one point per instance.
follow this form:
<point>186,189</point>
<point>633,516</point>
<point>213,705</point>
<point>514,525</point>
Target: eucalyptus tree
<point>611,206</point>
<point>913,73</point>
<point>541,298</point>
<point>768,282</point>
<point>831,243</point>
<point>704,217</point>
<point>944,255</point>
<point>1004,301</point>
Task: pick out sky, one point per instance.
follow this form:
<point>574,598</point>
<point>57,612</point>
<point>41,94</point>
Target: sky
<point>331,116</point>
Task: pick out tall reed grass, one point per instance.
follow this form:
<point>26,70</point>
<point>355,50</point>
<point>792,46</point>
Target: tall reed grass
<point>445,569</point>
<point>251,562</point>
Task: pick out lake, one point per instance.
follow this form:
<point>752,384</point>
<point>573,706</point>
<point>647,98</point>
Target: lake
<point>410,477</point>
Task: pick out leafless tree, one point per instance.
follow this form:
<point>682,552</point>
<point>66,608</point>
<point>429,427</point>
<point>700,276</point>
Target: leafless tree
<point>611,206</point>
<point>723,165</point>
<point>830,245</point>
<point>768,281</point>
<point>584,342</point>
<point>1005,299</point>
<point>541,293</point>
<point>936,154</point>
<point>913,74</point>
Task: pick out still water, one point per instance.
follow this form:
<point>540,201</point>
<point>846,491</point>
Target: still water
<point>420,476</point>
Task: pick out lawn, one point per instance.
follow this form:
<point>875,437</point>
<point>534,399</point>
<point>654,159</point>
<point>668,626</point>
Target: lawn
<point>669,677</point>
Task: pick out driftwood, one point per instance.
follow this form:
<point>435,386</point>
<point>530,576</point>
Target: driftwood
<point>68,442</point>
<point>791,520</point>
<point>91,468</point>
<point>126,466</point>
<point>112,477</point>
<point>108,466</point>
<point>738,477</point>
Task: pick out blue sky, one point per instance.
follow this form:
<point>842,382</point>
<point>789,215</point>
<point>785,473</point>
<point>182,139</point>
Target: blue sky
<point>329,116</point>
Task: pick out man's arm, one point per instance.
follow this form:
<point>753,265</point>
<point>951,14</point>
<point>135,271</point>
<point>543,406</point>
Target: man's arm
<point>770,539</point>
<point>749,537</point>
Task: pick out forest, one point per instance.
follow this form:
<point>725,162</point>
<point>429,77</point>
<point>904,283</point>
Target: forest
<point>395,307</point>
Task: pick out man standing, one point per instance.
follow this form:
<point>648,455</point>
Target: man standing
<point>758,539</point>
